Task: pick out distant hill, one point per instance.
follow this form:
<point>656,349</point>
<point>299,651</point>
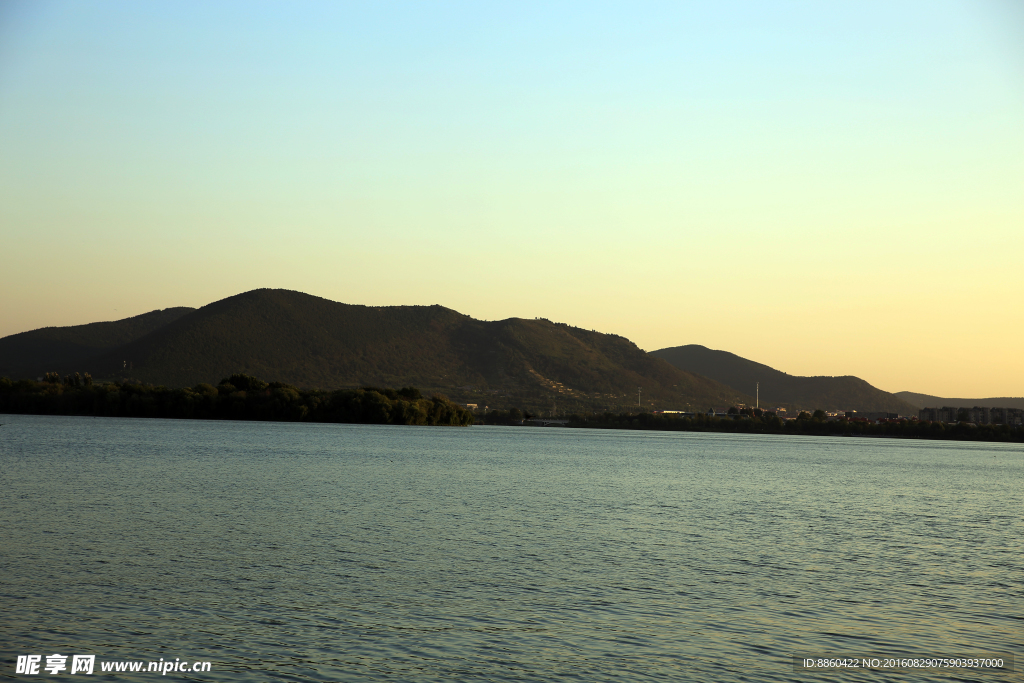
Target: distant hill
<point>280,335</point>
<point>30,354</point>
<point>926,401</point>
<point>827,393</point>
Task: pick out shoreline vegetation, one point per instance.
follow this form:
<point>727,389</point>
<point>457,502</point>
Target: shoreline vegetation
<point>805,424</point>
<point>757,422</point>
<point>243,397</point>
<point>238,397</point>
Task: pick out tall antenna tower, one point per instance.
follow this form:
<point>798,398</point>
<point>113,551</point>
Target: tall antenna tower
<point>757,395</point>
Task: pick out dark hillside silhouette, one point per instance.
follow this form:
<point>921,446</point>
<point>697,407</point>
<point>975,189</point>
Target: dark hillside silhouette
<point>34,353</point>
<point>778,388</point>
<point>312,342</point>
<point>928,401</point>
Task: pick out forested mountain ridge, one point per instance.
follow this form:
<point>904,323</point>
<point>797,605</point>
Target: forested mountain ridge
<point>929,401</point>
<point>308,341</point>
<point>777,387</point>
<point>33,353</point>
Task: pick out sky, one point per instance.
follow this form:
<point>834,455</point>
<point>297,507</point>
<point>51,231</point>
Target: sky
<point>828,188</point>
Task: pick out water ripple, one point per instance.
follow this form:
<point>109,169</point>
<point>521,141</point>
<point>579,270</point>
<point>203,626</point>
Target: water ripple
<point>362,553</point>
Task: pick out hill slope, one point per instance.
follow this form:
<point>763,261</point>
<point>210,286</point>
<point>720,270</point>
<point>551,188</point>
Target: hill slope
<point>313,342</point>
<point>926,401</point>
<point>33,353</point>
<point>828,393</point>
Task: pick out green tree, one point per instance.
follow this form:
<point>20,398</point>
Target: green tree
<point>245,382</point>
<point>410,393</point>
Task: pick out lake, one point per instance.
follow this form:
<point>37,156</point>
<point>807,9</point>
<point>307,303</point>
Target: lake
<point>323,552</point>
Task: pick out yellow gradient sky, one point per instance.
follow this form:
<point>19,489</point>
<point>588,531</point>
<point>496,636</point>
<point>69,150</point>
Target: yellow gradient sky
<point>828,188</point>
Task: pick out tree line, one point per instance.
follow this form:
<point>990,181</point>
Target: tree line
<point>243,397</point>
<point>238,397</point>
<point>806,423</point>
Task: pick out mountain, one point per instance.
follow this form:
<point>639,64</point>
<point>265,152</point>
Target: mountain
<point>31,354</point>
<point>280,335</point>
<point>926,401</point>
<point>827,393</point>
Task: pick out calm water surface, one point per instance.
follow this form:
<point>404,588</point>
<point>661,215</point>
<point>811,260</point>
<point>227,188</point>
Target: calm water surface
<point>376,553</point>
